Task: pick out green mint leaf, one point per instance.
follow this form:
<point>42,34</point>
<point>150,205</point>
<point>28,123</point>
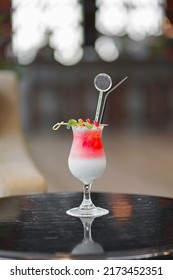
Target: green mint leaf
<point>71,122</point>
<point>88,125</point>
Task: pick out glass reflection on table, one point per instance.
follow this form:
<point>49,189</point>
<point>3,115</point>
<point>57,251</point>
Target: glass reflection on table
<point>87,245</point>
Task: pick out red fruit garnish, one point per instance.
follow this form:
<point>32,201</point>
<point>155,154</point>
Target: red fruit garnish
<point>89,121</point>
<point>96,123</point>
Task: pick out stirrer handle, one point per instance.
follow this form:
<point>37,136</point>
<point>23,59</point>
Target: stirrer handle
<point>99,106</point>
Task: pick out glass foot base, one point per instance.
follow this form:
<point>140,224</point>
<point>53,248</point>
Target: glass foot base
<point>94,212</point>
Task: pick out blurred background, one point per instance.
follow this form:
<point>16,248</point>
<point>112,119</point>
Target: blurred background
<point>57,47</point>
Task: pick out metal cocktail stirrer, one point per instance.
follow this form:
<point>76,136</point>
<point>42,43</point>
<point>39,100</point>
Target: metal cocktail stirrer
<point>102,83</point>
<point>105,99</point>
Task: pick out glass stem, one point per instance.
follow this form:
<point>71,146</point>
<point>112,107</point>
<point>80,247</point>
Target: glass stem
<point>87,202</point>
<point>87,229</point>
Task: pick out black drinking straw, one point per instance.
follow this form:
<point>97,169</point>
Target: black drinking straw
<point>105,99</point>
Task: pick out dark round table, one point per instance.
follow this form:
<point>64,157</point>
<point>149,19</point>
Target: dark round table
<point>37,227</point>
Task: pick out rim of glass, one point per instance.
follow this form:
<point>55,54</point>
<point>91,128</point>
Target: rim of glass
<point>86,128</point>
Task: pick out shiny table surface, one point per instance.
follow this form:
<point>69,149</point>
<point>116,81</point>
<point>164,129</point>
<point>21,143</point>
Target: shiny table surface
<point>37,227</point>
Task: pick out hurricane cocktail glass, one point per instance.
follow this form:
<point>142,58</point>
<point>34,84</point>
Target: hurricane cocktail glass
<point>87,162</point>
